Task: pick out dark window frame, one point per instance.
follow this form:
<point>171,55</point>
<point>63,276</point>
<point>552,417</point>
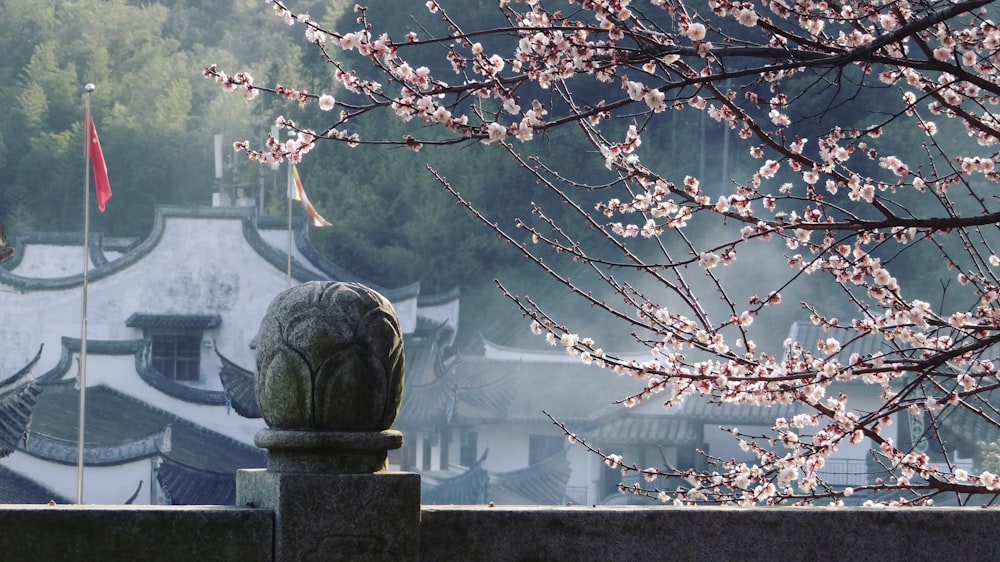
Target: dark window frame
<point>176,341</point>
<point>176,354</point>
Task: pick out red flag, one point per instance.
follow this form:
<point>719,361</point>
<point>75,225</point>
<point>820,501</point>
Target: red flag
<point>101,183</point>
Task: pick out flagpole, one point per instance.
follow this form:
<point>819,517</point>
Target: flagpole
<point>86,267</point>
<point>289,200</point>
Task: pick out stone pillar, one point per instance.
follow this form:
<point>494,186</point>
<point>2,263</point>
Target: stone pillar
<point>329,380</point>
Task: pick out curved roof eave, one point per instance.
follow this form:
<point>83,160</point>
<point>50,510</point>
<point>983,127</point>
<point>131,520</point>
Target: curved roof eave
<point>98,245</point>
<point>102,268</point>
<point>18,488</point>
<point>240,387</point>
<point>23,371</point>
<point>16,407</point>
<point>66,452</point>
<point>141,349</point>
<point>248,215</point>
<point>443,297</point>
<point>155,432</point>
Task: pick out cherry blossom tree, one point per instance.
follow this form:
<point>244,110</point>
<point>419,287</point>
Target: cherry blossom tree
<point>865,146</point>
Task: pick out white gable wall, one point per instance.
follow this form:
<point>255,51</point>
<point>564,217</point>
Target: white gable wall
<point>206,268</point>
<point>51,261</point>
<point>101,484</point>
<point>195,262</point>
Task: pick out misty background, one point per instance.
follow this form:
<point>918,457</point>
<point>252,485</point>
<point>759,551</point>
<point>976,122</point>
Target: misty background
<point>392,223</point>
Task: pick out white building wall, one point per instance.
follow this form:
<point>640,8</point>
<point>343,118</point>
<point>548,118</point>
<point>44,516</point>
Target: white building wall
<point>110,485</point>
<point>51,261</point>
<point>508,446</point>
<point>201,264</point>
<point>206,268</point>
<point>582,475</point>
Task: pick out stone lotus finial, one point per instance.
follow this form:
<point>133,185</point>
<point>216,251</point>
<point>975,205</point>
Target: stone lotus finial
<point>329,358</point>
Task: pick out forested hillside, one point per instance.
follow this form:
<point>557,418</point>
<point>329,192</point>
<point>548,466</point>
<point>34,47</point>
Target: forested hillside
<point>157,115</point>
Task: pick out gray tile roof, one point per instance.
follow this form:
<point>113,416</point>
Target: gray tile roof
<point>173,321</point>
<point>15,488</point>
<point>16,408</point>
<point>198,465</point>
<point>647,430</point>
<point>806,335</point>
<point>510,390</point>
<point>239,385</point>
<point>543,482</point>
<point>540,483</point>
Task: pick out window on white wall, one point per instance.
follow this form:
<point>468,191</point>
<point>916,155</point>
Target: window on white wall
<point>176,341</point>
<point>177,356</point>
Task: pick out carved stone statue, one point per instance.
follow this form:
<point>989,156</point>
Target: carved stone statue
<point>329,382</point>
<point>330,357</point>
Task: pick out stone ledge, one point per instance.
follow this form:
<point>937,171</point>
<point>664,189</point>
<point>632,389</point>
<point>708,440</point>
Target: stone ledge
<point>316,451</point>
<point>319,517</point>
<point>712,533</point>
<point>138,533</point>
<point>135,533</point>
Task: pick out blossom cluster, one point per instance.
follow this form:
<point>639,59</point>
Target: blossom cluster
<point>839,204</point>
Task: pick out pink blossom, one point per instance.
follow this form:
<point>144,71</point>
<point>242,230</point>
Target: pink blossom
<point>747,17</point>
<point>613,461</point>
<point>695,31</point>
<point>495,132</point>
<point>708,260</point>
<point>942,54</point>
<point>655,100</point>
<point>635,90</point>
<point>769,168</point>
<point>326,102</point>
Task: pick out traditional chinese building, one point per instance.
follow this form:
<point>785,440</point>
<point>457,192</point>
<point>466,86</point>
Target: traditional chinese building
<point>170,411</point>
<point>162,314</point>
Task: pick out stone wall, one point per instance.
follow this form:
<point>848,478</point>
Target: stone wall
<point>709,533</point>
<point>135,533</point>
<point>519,533</point>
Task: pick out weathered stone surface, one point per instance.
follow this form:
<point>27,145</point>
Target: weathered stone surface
<point>329,382</point>
<point>327,451</point>
<point>135,533</point>
<point>321,517</point>
<point>453,533</point>
<point>329,357</point>
<point>338,517</point>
